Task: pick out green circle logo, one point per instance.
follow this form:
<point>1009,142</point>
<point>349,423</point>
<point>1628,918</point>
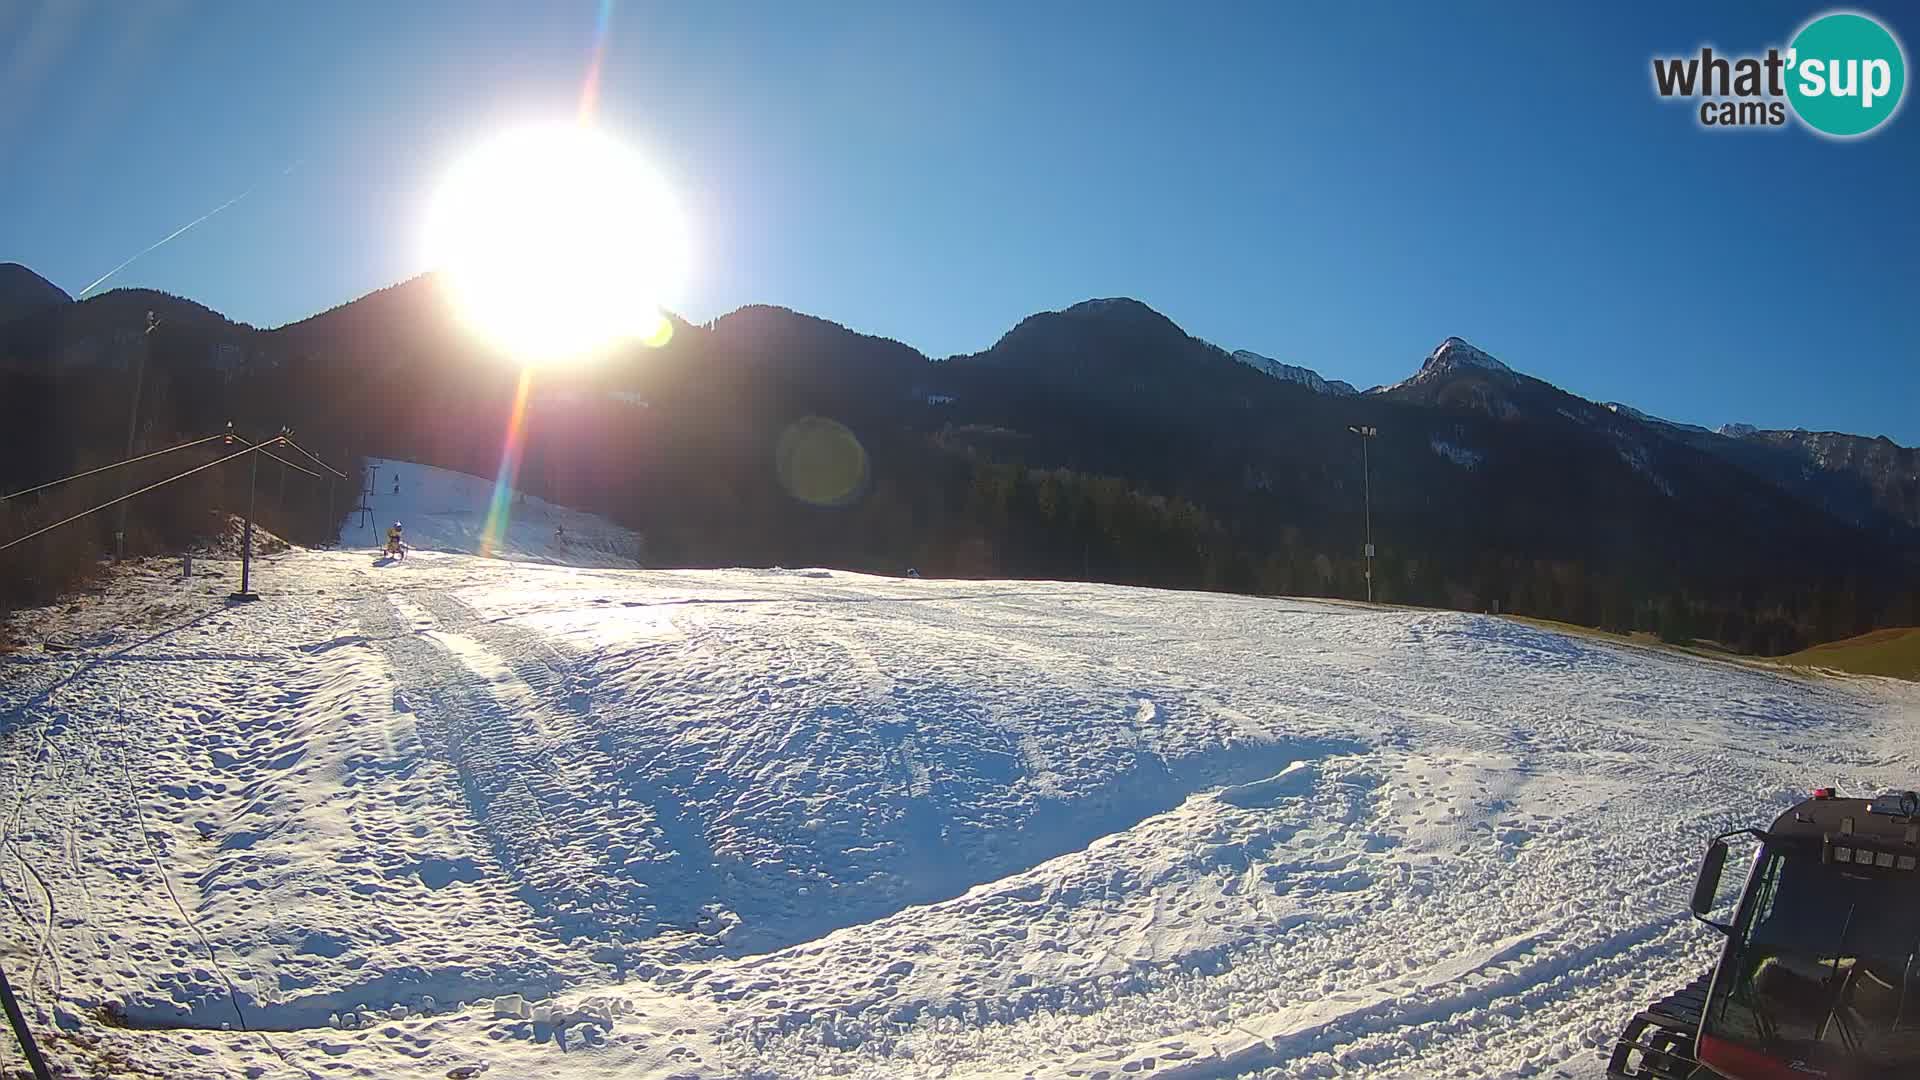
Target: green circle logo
<point>1846,73</point>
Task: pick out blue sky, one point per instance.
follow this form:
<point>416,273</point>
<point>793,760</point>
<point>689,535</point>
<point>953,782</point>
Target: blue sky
<point>1334,185</point>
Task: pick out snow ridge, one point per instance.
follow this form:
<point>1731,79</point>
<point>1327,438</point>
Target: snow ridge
<point>1306,377</point>
<point>1622,409</point>
<point>1459,455</point>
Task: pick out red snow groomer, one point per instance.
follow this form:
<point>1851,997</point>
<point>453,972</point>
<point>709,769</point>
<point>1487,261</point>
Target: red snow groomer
<point>1819,976</point>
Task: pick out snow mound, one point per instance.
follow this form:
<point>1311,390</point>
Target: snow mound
<point>227,537</point>
<point>1296,779</point>
<point>446,512</point>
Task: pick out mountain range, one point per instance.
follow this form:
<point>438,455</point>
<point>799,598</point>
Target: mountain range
<point>1100,441</point>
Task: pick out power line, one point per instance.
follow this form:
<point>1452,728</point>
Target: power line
<point>104,468</point>
<point>262,447</point>
<point>289,442</point>
<point>332,523</point>
<point>129,495</point>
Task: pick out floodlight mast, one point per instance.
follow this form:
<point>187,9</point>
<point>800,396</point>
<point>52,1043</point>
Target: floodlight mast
<point>1367,434</point>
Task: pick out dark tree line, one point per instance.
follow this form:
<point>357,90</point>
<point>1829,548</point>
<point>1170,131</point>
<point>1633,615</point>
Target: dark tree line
<point>1100,444</point>
<point>56,421</point>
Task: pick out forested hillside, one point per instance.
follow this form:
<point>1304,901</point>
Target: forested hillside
<point>1101,442</point>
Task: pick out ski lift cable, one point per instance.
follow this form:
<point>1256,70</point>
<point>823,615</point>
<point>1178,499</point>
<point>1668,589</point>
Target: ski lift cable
<point>262,447</point>
<point>129,495</point>
<point>104,468</point>
<point>289,442</point>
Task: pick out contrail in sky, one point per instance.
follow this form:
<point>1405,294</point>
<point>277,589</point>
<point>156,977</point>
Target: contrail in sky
<point>96,281</point>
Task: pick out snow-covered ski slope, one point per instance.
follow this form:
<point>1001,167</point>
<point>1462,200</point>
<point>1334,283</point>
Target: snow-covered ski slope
<point>803,824</point>
<point>445,511</point>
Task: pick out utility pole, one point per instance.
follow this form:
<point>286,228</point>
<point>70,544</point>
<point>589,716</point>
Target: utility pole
<point>20,1030</point>
<point>331,527</point>
<point>246,542</point>
<point>1367,435</point>
<point>366,497</point>
<point>280,502</point>
<point>133,428</point>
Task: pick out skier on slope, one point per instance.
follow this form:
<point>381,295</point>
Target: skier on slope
<point>394,546</point>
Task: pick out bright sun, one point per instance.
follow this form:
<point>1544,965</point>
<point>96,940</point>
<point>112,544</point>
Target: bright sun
<point>555,241</point>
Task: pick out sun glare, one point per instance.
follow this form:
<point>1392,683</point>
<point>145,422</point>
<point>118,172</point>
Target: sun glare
<point>556,241</point>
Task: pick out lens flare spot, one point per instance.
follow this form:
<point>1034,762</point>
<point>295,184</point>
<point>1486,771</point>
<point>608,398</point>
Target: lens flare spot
<point>512,449</point>
<point>660,334</point>
<point>821,462</point>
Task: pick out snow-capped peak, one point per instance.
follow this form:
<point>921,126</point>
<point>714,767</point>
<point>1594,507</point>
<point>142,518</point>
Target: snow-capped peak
<point>1306,377</point>
<point>1450,355</point>
<point>1457,352</point>
<point>1738,431</point>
